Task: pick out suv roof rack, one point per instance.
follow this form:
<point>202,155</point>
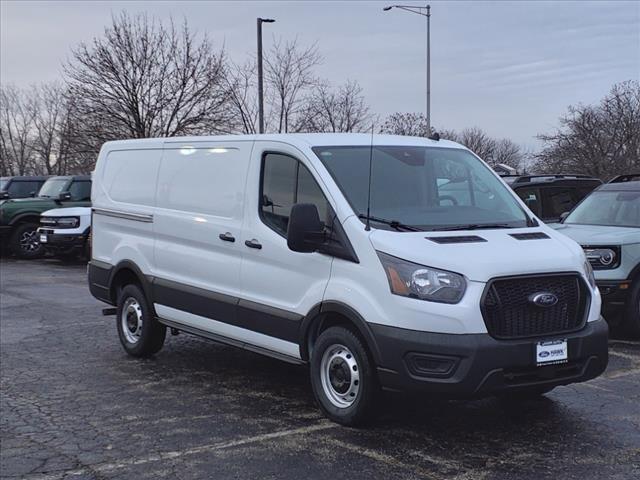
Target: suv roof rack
<point>551,177</point>
<point>629,177</point>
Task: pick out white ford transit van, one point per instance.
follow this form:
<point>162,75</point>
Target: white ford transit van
<point>402,263</point>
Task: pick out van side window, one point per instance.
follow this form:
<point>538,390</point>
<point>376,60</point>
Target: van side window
<point>285,181</point>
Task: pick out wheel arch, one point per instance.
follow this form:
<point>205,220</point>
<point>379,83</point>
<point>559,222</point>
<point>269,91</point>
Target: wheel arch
<point>24,218</point>
<point>126,272</point>
<point>327,314</point>
<point>635,273</point>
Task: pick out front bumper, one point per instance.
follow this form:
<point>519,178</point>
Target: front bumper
<point>476,365</point>
<point>615,294</point>
<point>62,241</point>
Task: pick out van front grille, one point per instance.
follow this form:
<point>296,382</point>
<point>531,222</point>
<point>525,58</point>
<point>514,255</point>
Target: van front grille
<point>509,312</point>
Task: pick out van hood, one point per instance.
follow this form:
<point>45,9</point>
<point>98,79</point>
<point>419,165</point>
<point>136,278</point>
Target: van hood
<point>68,212</point>
<point>599,235</point>
<point>497,254</point>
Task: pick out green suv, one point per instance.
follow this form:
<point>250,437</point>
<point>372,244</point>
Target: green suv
<point>20,218</point>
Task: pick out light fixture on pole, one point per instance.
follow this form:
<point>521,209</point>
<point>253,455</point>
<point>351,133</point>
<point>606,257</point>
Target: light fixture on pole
<point>260,21</point>
<point>425,12</point>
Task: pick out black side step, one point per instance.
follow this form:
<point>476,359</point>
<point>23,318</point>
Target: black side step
<point>109,311</point>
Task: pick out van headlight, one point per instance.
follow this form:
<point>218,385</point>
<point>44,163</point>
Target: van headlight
<point>409,279</point>
<point>589,273</point>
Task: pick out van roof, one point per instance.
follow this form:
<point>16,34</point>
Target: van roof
<point>296,139</point>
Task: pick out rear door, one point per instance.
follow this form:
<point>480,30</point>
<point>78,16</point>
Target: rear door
<point>197,222</point>
<point>279,286</point>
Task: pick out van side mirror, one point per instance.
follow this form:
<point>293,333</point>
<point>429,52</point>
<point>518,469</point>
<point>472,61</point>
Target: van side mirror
<point>304,232</point>
<point>4,195</point>
<point>64,196</point>
<point>563,216</point>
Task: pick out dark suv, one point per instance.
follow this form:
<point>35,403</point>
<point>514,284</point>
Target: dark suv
<point>20,187</point>
<point>630,177</point>
<point>20,218</point>
<point>549,196</point>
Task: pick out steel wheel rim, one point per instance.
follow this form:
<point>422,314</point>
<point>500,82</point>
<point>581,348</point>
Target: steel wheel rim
<point>29,241</point>
<point>340,376</point>
<point>131,320</point>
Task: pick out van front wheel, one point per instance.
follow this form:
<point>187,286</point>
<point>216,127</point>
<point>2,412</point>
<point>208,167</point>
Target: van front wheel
<point>342,377</point>
<point>140,333</point>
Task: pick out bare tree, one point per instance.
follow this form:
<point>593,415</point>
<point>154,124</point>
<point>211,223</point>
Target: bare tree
<point>334,110</point>
<point>16,131</point>
<point>401,123</point>
<point>243,96</point>
<point>143,78</point>
<point>601,140</point>
<point>51,146</point>
<point>289,74</point>
<point>479,142</point>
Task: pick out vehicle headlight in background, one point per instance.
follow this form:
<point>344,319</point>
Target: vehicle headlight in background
<point>409,279</point>
<point>589,273</point>
<point>603,258</point>
<point>68,222</point>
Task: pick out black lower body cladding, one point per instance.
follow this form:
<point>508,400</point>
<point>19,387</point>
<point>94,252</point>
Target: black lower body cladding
<point>476,365</point>
<point>99,278</point>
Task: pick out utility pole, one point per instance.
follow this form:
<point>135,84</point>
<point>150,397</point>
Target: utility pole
<point>260,21</point>
<point>425,12</point>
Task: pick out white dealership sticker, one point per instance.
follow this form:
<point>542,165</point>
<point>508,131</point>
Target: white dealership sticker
<point>554,351</point>
<point>43,238</point>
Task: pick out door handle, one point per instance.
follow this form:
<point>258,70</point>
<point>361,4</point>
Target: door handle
<point>227,237</point>
<point>253,243</point>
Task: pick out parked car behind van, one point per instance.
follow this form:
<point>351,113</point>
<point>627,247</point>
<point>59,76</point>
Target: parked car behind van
<point>406,264</point>
<point>20,186</point>
<point>66,232</point>
<point>549,196</point>
<point>607,225</point>
<point>20,218</point>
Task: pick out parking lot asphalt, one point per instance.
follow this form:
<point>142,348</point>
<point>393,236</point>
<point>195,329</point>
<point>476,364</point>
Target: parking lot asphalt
<point>73,405</point>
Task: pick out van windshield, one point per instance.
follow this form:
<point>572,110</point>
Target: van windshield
<point>426,188</point>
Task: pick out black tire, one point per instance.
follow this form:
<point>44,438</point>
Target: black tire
<point>523,394</point>
<point>364,381</point>
<point>24,241</point>
<point>631,322</point>
<point>151,332</point>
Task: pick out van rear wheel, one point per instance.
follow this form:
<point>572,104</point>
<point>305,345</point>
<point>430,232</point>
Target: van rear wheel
<point>342,377</point>
<point>140,333</point>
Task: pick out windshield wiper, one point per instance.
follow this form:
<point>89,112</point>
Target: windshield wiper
<point>473,226</point>
<point>392,223</point>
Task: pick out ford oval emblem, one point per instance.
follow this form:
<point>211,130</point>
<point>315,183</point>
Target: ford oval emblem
<point>543,299</point>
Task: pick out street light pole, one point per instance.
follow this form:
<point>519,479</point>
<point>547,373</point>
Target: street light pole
<point>428,69</point>
<point>425,12</point>
<point>260,21</point>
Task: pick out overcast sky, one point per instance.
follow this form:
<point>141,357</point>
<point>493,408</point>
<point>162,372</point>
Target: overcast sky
<point>510,68</point>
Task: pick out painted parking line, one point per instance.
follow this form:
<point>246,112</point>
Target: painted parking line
<point>174,454</point>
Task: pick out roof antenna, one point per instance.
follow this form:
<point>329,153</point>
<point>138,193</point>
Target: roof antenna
<point>368,226</point>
